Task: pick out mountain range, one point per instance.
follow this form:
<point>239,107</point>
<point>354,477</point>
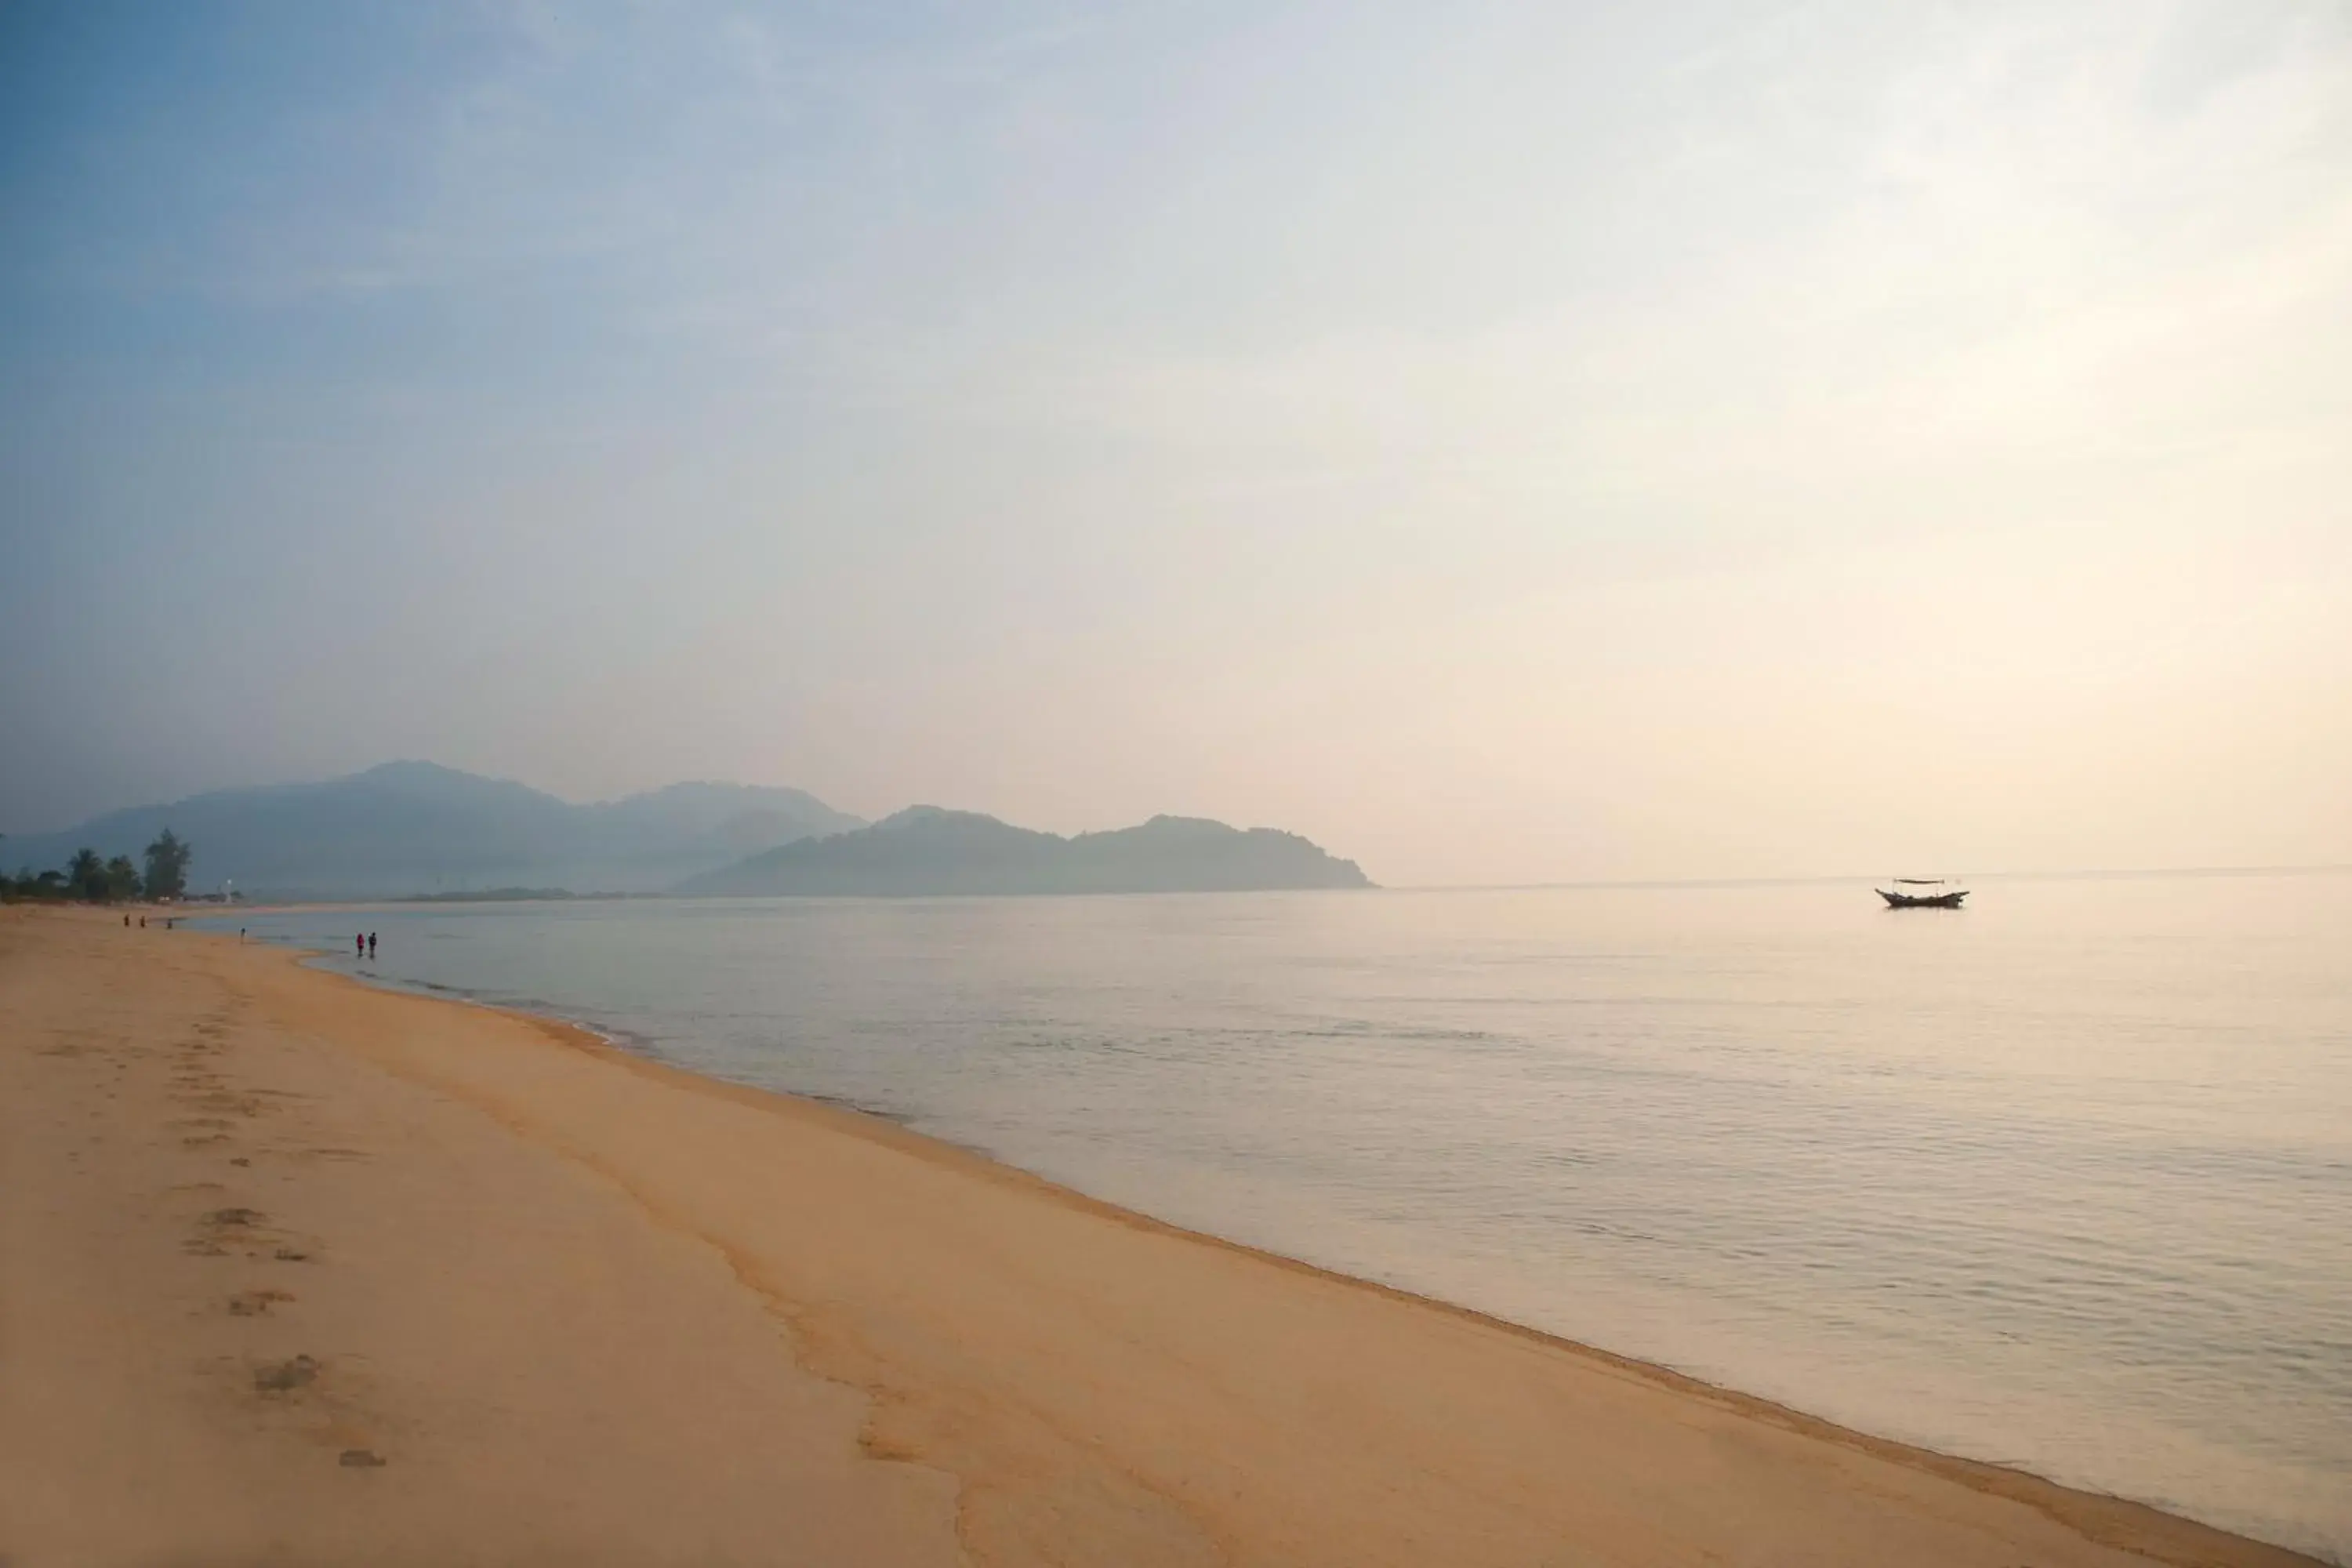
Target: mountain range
<point>926,849</point>
<point>409,829</point>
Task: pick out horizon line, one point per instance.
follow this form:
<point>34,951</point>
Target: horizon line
<point>1823,878</point>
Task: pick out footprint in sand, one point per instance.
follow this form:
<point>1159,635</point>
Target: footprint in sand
<point>257,1303</point>
<point>220,1226</point>
<point>285,1376</point>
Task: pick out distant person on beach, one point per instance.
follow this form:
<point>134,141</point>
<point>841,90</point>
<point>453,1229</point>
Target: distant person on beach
<point>359,945</point>
<point>142,922</point>
<point>126,923</point>
<point>371,944</point>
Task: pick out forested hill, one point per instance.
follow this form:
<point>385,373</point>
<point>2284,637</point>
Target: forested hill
<point>925,849</point>
<point>408,828</point>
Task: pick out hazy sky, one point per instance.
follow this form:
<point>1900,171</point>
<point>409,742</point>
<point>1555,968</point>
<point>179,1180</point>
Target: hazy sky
<point>1502,442</point>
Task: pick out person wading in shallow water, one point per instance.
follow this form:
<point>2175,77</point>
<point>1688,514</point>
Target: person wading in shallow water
<point>359,945</point>
<point>371,944</point>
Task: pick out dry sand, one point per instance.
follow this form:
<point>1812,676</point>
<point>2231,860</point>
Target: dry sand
<point>296,1271</point>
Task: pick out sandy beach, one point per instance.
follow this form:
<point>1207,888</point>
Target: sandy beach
<point>294,1270</point>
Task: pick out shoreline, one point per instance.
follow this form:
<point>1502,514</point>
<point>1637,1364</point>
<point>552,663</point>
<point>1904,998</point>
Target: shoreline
<point>2077,1507</point>
<point>839,1334</point>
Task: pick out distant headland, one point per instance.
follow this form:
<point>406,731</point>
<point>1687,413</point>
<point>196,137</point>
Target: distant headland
<point>927,850</point>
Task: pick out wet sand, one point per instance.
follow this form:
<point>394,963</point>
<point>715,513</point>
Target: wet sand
<point>293,1270</point>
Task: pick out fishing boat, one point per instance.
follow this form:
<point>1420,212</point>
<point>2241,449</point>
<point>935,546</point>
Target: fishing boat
<point>1923,893</point>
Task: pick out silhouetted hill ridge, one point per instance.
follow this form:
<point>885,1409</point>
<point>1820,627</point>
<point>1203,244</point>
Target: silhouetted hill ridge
<point>410,827</point>
<point>926,849</point>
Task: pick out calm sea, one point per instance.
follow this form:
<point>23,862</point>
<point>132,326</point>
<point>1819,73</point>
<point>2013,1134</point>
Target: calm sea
<point>2063,1180</point>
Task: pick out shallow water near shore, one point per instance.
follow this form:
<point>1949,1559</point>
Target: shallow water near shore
<point>2062,1180</point>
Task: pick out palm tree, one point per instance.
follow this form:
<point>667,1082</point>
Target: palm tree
<point>86,874</point>
<point>121,879</point>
